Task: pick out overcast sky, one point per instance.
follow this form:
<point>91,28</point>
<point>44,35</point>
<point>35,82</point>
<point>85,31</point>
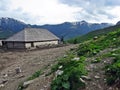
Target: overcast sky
<point>59,11</point>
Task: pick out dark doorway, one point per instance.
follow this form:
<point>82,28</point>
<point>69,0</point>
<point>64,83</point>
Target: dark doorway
<point>32,44</point>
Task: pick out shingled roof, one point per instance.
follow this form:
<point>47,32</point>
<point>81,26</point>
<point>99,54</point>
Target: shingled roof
<point>33,34</point>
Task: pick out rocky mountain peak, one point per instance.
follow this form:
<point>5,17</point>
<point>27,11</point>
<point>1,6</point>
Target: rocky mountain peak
<point>118,23</point>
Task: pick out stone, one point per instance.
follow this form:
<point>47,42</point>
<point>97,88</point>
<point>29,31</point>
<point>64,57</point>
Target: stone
<point>3,81</point>
<point>45,86</point>
<point>82,80</point>
<point>95,37</point>
<point>2,85</point>
<point>97,77</point>
<point>76,58</point>
<point>25,84</point>
<point>65,56</point>
<point>58,72</point>
<point>18,70</point>
<point>114,39</point>
<point>86,77</point>
<point>60,67</point>
<point>105,61</point>
<point>5,75</point>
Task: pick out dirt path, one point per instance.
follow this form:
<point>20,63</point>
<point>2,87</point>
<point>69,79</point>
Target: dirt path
<point>29,62</point>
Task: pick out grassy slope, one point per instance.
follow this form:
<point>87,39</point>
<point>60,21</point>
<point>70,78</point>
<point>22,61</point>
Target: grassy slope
<point>70,69</point>
<point>87,49</point>
<point>90,35</point>
<point>111,41</point>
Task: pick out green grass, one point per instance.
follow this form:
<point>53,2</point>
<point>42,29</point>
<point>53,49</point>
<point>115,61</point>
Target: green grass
<point>112,70</point>
<point>92,47</point>
<point>92,34</point>
<point>35,75</point>
<point>71,69</point>
<point>72,72</point>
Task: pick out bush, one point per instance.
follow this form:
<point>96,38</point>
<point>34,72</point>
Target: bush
<point>88,49</point>
<point>72,72</point>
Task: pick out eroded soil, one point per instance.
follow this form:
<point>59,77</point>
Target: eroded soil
<point>29,62</point>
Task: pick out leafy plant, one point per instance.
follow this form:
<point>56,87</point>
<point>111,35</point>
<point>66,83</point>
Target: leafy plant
<point>72,71</point>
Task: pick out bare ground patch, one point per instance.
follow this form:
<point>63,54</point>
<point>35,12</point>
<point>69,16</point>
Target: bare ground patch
<point>29,62</point>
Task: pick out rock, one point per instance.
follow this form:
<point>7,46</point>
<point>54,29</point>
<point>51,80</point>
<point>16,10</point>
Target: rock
<point>25,84</point>
<point>114,39</point>
<point>5,75</point>
<point>104,61</point>
<point>97,77</point>
<point>88,69</point>
<point>18,70</point>
<point>95,37</point>
<point>21,76</point>
<point>45,86</point>
<point>65,56</point>
<point>82,80</point>
<point>58,72</point>
<point>94,84</point>
<point>2,85</point>
<point>76,58</point>
<point>3,81</point>
<point>86,77</point>
<point>60,67</point>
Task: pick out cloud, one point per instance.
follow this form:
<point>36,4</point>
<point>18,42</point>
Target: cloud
<point>4,5</point>
<point>58,11</point>
<point>96,11</point>
<point>40,11</point>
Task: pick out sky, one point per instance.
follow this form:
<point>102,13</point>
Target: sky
<point>58,11</point>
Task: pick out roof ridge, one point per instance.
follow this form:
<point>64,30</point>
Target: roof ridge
<point>33,34</point>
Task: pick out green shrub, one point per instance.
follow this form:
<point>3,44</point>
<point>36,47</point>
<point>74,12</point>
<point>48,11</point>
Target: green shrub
<point>72,71</point>
<point>88,49</point>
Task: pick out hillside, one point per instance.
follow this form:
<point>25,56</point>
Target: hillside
<point>9,26</point>
<point>93,65</point>
<point>93,34</point>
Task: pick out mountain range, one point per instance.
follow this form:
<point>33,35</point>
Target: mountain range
<point>9,26</point>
